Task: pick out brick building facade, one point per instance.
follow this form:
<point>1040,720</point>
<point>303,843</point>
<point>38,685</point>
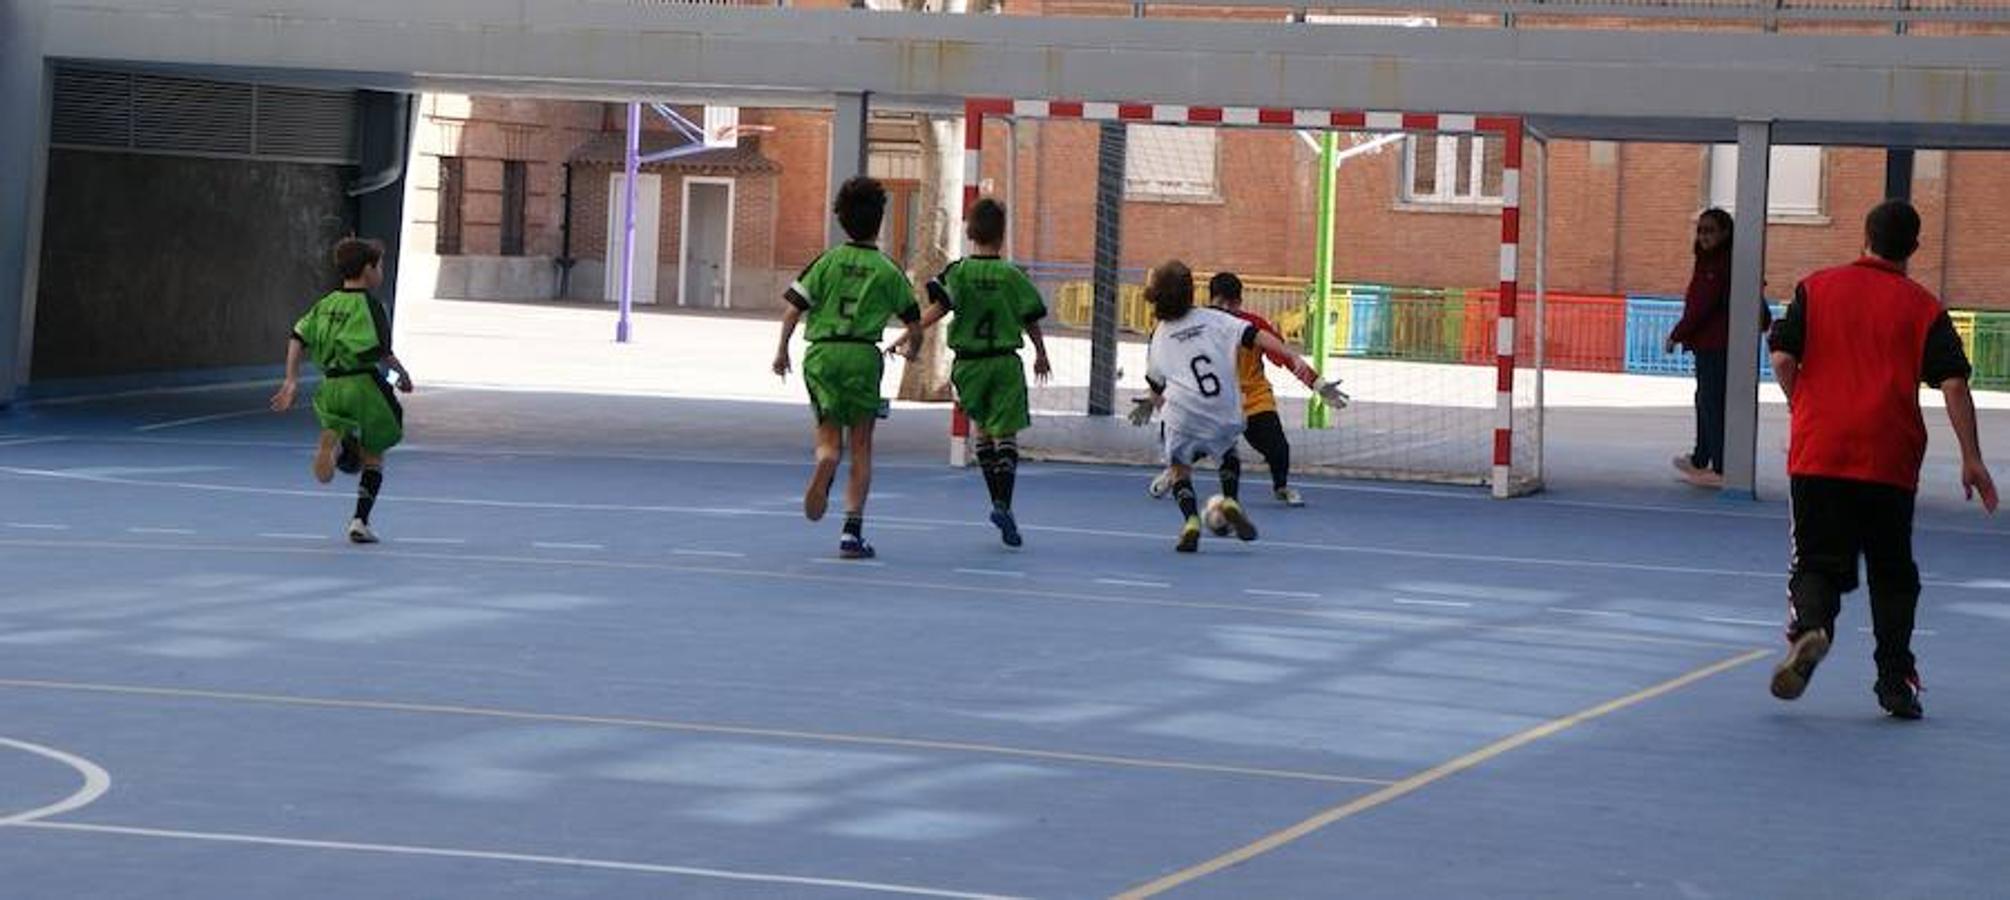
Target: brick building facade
<point>1419,212</point>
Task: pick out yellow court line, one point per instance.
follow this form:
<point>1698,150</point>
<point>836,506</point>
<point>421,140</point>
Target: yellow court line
<point>1408,785</point>
<point>828,737</point>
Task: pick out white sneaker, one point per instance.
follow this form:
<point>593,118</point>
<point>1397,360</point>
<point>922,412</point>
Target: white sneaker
<point>1160,486</point>
<point>360,533</point>
<point>1289,496</point>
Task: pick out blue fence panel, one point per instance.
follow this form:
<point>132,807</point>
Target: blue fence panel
<point>1367,321</point>
<point>1649,319</point>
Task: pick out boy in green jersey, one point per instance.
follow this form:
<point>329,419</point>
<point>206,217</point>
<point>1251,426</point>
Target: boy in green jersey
<point>995,307</point>
<point>844,300</point>
<point>348,335</point>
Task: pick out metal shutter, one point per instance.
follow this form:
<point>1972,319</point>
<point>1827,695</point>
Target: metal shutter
<point>141,112</point>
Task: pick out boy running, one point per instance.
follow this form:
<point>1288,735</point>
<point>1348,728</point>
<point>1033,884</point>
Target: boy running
<point>847,295</point>
<point>1262,427</point>
<point>1203,413</point>
<point>996,306</point>
<point>348,335</point>
<point>1850,355</point>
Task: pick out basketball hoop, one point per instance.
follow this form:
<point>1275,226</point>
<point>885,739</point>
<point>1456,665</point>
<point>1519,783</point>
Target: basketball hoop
<point>723,128</point>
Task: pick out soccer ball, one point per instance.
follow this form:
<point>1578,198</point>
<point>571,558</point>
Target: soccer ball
<point>1212,516</point>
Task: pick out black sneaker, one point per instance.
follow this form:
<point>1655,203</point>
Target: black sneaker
<point>350,460</point>
<point>852,546</point>
<point>1900,697</point>
<point>1790,677</point>
<point>1008,528</point>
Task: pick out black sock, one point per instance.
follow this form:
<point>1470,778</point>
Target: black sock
<point>1008,471</point>
<point>366,492</point>
<point>1182,491</point>
<point>1231,474</point>
<point>854,524</point>
<point>987,462</point>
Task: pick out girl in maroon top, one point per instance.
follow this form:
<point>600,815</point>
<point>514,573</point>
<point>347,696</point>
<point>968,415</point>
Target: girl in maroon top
<point>1706,330</point>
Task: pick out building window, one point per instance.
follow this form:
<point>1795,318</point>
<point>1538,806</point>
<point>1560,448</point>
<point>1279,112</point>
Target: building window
<point>1171,162</point>
<point>515,188</point>
<point>453,187</point>
<point>1793,190</point>
<point>1453,169</point>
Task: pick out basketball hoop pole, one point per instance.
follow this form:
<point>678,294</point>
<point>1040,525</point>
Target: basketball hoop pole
<point>632,165</point>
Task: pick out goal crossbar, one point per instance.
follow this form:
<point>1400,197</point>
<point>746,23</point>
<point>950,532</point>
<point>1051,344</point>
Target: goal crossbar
<point>1508,129</point>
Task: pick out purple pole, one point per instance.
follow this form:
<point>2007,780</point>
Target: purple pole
<point>633,166</point>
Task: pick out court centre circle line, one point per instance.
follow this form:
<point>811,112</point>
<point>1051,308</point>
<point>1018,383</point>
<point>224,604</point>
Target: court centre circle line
<point>96,782</point>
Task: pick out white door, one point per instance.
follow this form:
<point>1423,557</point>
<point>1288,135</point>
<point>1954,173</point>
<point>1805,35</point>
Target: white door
<point>705,253</point>
<point>648,226</point>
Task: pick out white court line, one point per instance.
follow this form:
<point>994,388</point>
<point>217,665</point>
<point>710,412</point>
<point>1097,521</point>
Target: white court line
<point>840,561</point>
<point>1572,610</point>
<point>1448,604</point>
<point>96,782</point>
<point>1917,632</point>
<point>525,858</point>
<point>144,530</point>
<point>292,536</point>
<point>720,554</point>
<point>1392,620</point>
<point>900,526</point>
<point>427,540</point>
<point>993,573</point>
<point>197,420</point>
<point>37,526</point>
<point>564,545</point>
<point>1126,582</point>
<point>1756,623</point>
<point>1393,552</point>
<point>1300,595</point>
<point>23,442</point>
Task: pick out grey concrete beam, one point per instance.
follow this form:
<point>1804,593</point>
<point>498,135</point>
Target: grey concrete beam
<point>1748,276</point>
<point>1717,76</point>
<point>848,148</point>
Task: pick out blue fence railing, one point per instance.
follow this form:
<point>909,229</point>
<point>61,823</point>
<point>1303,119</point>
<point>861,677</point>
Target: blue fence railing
<point>1649,318</point>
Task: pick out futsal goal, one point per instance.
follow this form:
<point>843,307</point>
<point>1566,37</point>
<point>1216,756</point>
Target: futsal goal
<point>1446,379</point>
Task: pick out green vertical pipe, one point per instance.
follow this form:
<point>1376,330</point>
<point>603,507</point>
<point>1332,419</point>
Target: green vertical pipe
<point>1319,340</point>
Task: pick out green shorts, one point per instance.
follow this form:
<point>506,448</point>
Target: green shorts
<point>992,391</point>
<point>843,378</point>
<point>363,405</point>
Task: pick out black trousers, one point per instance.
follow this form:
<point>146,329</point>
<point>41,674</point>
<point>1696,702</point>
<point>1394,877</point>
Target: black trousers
<point>1265,432</point>
<point>1712,370</point>
<point>1835,523</point>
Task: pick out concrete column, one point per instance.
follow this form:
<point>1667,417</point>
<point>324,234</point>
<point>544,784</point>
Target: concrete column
<point>1898,173</point>
<point>1748,273</point>
<point>848,150</point>
<point>385,123</point>
<point>24,154</point>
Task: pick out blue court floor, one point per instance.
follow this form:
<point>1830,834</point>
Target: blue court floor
<point>600,654</point>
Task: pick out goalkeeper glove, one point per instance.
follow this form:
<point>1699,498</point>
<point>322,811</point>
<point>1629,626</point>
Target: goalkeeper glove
<point>1141,410</point>
<point>1330,392</point>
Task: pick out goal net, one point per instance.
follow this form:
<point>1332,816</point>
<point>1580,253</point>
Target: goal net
<point>1444,368</point>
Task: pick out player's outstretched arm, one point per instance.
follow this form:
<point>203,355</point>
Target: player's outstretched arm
<point>1275,347</point>
<point>908,345</point>
<point>1043,369</point>
<point>1975,478</point>
<point>283,400</point>
<point>790,317</point>
<point>404,377</point>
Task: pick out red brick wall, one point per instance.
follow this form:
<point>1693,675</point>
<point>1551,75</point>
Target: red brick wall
<point>1978,230</point>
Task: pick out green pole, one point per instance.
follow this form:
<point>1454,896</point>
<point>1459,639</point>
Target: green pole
<point>1319,338</point>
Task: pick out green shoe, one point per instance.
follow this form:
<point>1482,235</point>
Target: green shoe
<point>1189,535</point>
